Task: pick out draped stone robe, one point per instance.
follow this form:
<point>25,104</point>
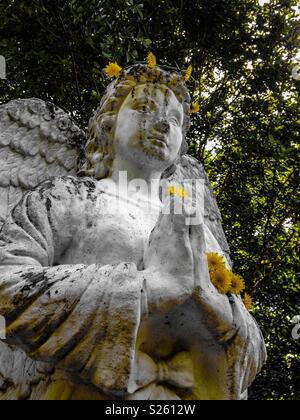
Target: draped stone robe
<point>75,319</point>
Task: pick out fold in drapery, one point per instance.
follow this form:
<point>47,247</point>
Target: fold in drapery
<point>85,319</point>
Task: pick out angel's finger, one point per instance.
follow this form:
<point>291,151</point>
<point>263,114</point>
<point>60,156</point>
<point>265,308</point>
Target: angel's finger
<point>198,244</point>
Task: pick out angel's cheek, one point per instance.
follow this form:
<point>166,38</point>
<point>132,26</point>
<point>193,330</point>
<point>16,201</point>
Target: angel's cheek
<point>175,139</point>
<point>130,134</point>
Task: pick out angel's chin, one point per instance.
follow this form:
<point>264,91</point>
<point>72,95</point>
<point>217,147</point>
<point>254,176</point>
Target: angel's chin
<point>154,153</point>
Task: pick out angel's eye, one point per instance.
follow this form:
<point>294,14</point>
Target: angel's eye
<point>143,108</point>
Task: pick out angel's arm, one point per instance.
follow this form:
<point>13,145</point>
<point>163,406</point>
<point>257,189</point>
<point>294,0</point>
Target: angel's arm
<point>225,318</point>
<point>82,318</point>
<point>233,326</point>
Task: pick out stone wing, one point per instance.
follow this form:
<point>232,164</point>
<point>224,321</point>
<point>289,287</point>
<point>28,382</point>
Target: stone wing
<point>37,141</point>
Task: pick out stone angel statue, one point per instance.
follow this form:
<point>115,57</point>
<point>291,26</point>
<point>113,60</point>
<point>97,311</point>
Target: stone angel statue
<point>102,298</point>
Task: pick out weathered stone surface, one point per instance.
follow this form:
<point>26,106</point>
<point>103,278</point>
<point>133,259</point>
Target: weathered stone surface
<point>103,298</point>
<point>37,141</point>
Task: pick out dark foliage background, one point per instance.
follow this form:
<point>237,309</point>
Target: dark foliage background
<point>246,133</point>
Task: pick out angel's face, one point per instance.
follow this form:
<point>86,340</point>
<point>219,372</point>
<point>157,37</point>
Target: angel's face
<point>149,127</point>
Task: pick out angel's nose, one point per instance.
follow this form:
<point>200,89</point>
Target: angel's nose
<point>162,126</point>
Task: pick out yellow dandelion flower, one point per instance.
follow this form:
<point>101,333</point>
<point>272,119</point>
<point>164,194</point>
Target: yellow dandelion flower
<point>215,261</point>
<point>151,60</point>
<point>237,284</point>
<point>172,190</point>
<point>113,70</point>
<point>248,302</point>
<point>188,73</point>
<point>195,107</point>
<point>178,191</point>
<point>221,279</point>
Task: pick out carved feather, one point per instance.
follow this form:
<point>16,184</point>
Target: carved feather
<point>37,141</point>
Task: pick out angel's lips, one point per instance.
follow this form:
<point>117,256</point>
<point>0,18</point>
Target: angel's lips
<point>159,141</point>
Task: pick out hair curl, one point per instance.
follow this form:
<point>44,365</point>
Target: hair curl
<point>99,149</point>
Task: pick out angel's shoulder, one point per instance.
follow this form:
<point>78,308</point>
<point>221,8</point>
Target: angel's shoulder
<point>65,187</point>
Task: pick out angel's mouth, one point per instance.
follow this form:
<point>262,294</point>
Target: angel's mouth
<point>154,148</point>
<point>158,142</point>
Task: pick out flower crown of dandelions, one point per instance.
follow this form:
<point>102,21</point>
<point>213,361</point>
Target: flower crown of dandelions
<point>113,70</point>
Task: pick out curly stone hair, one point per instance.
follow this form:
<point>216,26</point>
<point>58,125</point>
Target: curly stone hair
<point>99,149</point>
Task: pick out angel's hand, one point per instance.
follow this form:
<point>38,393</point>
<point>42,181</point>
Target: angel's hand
<point>216,307</point>
<point>169,261</point>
